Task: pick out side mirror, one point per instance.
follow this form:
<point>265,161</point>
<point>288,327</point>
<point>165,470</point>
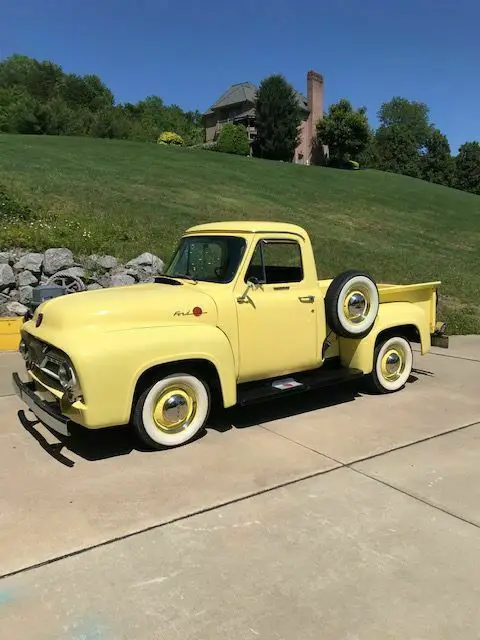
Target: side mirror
<point>252,283</point>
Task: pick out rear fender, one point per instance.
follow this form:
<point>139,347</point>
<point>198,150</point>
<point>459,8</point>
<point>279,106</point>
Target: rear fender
<point>358,354</point>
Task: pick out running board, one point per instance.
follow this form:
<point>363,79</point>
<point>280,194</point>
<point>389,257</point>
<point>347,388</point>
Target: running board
<point>325,376</point>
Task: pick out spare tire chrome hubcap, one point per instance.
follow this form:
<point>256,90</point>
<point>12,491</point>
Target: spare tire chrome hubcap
<point>356,306</point>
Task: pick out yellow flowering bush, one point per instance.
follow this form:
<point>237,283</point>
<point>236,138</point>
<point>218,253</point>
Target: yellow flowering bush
<point>171,138</point>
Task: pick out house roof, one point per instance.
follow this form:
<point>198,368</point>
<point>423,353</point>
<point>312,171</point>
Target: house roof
<point>245,92</point>
<point>241,92</point>
<point>302,101</point>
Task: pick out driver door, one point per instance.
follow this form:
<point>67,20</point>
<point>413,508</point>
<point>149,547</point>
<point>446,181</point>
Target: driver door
<point>277,319</point>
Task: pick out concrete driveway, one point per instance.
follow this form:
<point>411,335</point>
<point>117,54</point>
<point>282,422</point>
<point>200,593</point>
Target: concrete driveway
<point>332,515</point>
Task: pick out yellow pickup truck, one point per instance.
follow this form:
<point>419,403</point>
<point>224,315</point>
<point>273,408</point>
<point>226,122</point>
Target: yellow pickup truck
<point>238,316</point>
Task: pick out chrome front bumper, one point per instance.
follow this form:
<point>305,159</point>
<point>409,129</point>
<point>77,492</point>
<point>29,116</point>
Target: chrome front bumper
<point>46,412</point>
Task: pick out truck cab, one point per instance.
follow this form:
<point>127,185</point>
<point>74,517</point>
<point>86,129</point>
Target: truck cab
<point>239,315</point>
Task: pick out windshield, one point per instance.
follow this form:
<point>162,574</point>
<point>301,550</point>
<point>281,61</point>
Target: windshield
<point>207,258</point>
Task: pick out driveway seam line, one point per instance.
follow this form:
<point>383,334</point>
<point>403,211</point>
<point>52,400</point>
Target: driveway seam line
<point>350,466</point>
<point>341,465</point>
<point>447,355</point>
<point>414,496</point>
<point>165,523</point>
<point>381,453</point>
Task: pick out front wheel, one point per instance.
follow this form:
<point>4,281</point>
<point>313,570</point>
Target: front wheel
<point>171,411</point>
<point>392,365</point>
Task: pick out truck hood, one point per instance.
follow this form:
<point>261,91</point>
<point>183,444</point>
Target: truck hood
<point>123,308</point>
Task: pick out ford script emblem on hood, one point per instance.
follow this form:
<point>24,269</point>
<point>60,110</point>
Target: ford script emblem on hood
<point>196,311</point>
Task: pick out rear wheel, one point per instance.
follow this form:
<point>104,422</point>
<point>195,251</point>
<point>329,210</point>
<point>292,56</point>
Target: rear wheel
<point>392,365</point>
<point>171,411</point>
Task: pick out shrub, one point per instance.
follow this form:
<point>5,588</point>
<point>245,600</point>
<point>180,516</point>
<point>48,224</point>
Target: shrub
<point>170,138</point>
<point>234,139</point>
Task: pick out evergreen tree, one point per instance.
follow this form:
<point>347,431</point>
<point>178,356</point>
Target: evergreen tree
<point>277,119</point>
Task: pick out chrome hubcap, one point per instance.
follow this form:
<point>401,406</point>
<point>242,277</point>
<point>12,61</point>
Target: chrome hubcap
<point>175,409</point>
<point>356,306</point>
<point>392,363</point>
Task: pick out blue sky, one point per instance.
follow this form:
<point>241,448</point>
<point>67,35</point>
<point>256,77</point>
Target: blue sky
<point>190,52</point>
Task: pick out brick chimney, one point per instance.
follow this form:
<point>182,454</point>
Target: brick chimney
<point>315,105</point>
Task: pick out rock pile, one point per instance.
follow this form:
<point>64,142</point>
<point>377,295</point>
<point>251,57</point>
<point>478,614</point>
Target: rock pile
<point>21,271</point>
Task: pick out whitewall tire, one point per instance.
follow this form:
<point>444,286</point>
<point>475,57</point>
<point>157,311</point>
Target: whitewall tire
<point>392,365</point>
<point>172,410</point>
<point>351,304</point>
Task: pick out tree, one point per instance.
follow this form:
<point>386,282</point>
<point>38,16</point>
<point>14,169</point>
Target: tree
<point>467,166</point>
<point>402,136</point>
<point>18,111</point>
<point>345,131</point>
<point>437,164</point>
<point>414,116</point>
<point>233,139</point>
<point>397,150</point>
<point>40,98</point>
<point>277,119</point>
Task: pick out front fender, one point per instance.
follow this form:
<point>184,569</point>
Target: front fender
<point>108,374</point>
<point>358,354</point>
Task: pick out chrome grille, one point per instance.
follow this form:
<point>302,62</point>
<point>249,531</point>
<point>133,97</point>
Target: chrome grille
<point>44,361</point>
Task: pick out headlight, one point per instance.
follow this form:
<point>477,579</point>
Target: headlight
<point>23,349</point>
<point>66,376</point>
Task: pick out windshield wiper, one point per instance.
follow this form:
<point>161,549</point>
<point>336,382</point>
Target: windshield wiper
<point>184,275</point>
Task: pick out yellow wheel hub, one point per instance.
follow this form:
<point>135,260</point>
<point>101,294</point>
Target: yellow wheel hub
<point>174,409</point>
<point>393,363</point>
<point>356,305</point>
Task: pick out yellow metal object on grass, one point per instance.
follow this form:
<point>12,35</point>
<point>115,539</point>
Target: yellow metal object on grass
<point>10,333</point>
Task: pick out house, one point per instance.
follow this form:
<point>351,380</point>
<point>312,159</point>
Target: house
<point>237,105</point>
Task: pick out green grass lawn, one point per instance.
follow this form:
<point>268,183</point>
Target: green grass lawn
<point>124,198</point>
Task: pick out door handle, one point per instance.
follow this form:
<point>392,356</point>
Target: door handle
<point>307,298</point>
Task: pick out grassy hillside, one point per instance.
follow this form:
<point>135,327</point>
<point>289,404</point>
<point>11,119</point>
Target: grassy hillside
<point>124,198</point>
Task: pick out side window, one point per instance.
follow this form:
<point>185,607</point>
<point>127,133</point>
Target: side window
<point>276,262</point>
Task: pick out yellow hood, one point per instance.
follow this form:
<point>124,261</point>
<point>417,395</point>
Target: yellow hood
<point>122,308</point>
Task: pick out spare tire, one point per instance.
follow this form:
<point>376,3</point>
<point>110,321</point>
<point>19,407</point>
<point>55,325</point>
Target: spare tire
<point>351,304</point>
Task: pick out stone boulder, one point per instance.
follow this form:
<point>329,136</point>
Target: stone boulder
<point>29,262</point>
<point>7,276</point>
<point>25,278</point>
<point>142,274</point>
<point>121,280</point>
<point>5,257</point>
<point>147,260</point>
<point>103,262</point>
<point>56,260</point>
<point>94,286</point>
<point>16,308</point>
<point>26,294</point>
